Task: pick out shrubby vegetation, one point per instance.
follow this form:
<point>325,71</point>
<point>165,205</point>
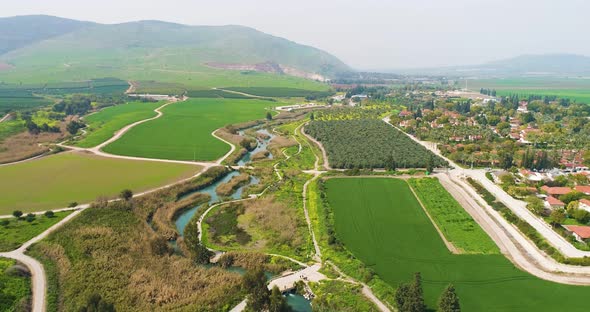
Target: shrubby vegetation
<point>14,232</point>
<point>111,248</point>
<point>340,296</point>
<point>370,144</point>
<point>15,286</point>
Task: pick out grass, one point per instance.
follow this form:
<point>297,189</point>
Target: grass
<point>56,181</point>
<point>103,124</point>
<point>456,224</point>
<point>184,132</point>
<point>14,290</point>
<point>17,232</point>
<point>572,88</point>
<point>382,224</point>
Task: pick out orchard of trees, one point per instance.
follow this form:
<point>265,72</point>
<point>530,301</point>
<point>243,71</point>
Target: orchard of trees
<point>370,144</point>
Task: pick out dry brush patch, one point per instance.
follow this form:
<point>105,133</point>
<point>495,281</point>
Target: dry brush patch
<point>277,222</point>
<point>26,145</point>
<point>110,249</point>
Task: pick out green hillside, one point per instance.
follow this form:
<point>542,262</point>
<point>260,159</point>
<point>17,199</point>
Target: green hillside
<point>167,52</point>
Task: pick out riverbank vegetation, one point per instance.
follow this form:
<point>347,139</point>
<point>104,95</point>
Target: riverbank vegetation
<point>111,249</point>
<point>226,189</point>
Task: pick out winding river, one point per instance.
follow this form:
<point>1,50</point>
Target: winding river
<point>297,302</point>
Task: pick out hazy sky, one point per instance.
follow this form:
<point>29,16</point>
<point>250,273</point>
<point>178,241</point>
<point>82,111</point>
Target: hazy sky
<point>366,34</point>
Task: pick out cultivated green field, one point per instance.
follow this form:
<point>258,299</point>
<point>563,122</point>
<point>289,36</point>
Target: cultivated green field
<point>184,132</point>
<point>573,88</point>
<point>103,124</point>
<point>58,180</point>
<point>381,222</point>
<point>18,232</point>
<point>456,224</point>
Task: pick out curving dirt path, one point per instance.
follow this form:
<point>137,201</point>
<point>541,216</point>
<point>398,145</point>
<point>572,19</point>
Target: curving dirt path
<point>321,147</point>
<point>5,117</point>
<point>38,279</point>
<point>97,150</point>
<point>241,93</point>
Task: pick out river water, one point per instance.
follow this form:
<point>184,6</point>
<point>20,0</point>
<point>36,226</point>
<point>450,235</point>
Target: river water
<point>297,302</point>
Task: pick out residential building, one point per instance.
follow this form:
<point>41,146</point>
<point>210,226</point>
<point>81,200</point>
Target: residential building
<point>584,204</point>
<point>580,232</point>
<point>554,203</point>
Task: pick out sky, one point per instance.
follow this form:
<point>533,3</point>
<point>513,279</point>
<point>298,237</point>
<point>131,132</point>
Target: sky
<point>366,34</point>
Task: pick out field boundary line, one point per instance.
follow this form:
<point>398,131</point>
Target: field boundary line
<point>452,248</point>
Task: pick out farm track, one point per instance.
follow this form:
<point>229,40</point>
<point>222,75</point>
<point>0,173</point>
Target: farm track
<point>5,117</point>
<point>321,147</point>
<point>241,93</point>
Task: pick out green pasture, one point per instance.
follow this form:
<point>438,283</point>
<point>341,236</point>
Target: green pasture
<point>577,89</point>
<point>103,124</point>
<point>17,232</point>
<point>58,180</point>
<point>457,225</point>
<point>166,65</point>
<point>184,131</point>
<point>382,224</point>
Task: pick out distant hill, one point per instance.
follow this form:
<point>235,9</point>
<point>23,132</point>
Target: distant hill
<point>129,50</point>
<point>17,32</point>
<point>524,65</point>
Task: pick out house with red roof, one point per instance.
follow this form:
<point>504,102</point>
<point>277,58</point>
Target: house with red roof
<point>580,232</point>
<point>584,204</point>
<point>583,188</point>
<point>554,203</point>
<point>405,113</point>
<point>556,191</point>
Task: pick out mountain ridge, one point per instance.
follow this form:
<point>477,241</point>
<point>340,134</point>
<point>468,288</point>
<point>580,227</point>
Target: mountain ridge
<point>77,43</point>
